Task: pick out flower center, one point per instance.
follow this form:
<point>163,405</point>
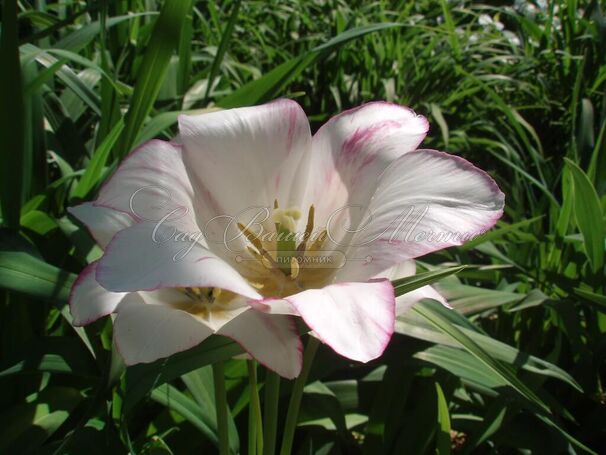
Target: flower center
<point>288,261</point>
<point>201,300</point>
<point>209,304</point>
<point>281,264</point>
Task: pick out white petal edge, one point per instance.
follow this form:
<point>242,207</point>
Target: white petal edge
<point>272,340</point>
<point>88,300</point>
<point>144,258</point>
<point>351,151</point>
<point>406,301</point>
<point>102,222</point>
<point>425,201</point>
<point>151,184</point>
<point>144,333</point>
<point>355,319</point>
<point>248,157</point>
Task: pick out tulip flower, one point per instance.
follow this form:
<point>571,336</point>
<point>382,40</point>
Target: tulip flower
<point>246,222</point>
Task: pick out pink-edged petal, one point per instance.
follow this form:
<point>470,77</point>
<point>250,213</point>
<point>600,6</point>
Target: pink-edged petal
<point>88,301</point>
<point>144,333</point>
<point>247,157</point>
<point>353,148</point>
<point>152,184</point>
<point>273,305</point>
<point>372,133</point>
<point>354,319</point>
<point>425,201</point>
<point>214,315</point>
<point>402,270</point>
<point>102,222</point>
<point>406,301</point>
<point>145,258</point>
<point>273,340</point>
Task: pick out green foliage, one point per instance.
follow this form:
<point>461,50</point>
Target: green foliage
<point>518,88</point>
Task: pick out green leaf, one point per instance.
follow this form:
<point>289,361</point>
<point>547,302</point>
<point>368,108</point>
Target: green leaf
<point>320,404</point>
<point>29,275</point>
<point>159,123</point>
<point>418,429</point>
<point>598,299</point>
<point>61,355</point>
<point>436,112</point>
<point>201,385</point>
<point>408,284</point>
<point>589,216</point>
<point>12,118</point>
<point>491,423</point>
<point>387,407</point>
<point>39,222</point>
<point>272,83</point>
<point>225,37</point>
<point>45,57</point>
<point>163,42</point>
<point>427,312</point>
<point>65,74</point>
<point>25,426</point>
<point>142,378</point>
<point>204,421</point>
<point>497,233</point>
<point>464,366</point>
<point>471,299</point>
<point>443,430</point>
<point>80,38</point>
<point>94,170</point>
<point>452,32</point>
<point>415,326</point>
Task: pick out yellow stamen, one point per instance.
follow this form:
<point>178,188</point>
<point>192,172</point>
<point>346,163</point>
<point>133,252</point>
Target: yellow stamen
<point>266,262</point>
<point>319,241</point>
<point>252,238</point>
<point>294,268</point>
<point>308,229</point>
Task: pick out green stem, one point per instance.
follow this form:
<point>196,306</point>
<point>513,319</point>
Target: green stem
<point>270,404</point>
<point>295,398</point>
<point>221,405</point>
<point>255,425</point>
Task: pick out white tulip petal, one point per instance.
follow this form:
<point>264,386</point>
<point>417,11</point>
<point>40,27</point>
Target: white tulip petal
<point>102,222</point>
<point>144,258</point>
<point>152,184</point>
<point>425,201</point>
<point>88,301</point>
<point>214,315</point>
<point>354,319</point>
<point>247,157</point>
<point>144,333</point>
<point>272,340</point>
<point>351,151</point>
<point>273,305</point>
<point>406,301</point>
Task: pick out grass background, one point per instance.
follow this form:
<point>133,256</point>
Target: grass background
<point>517,88</point>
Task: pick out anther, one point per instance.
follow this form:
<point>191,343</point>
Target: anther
<point>294,268</point>
<point>308,229</point>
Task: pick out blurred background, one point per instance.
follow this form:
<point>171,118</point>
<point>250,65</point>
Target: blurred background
<point>518,88</point>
